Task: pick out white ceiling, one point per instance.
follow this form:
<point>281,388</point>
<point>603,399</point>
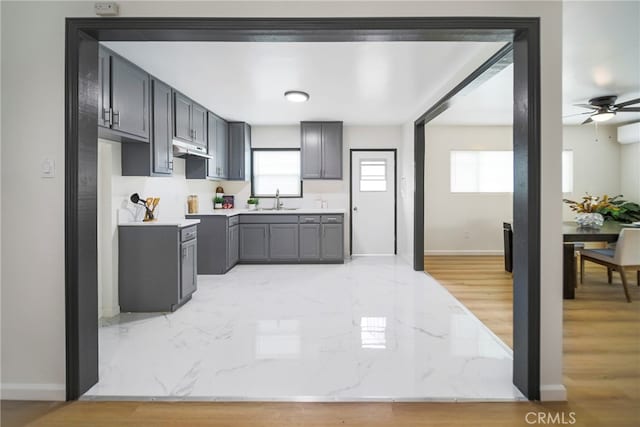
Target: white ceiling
<point>601,56</point>
<point>358,83</point>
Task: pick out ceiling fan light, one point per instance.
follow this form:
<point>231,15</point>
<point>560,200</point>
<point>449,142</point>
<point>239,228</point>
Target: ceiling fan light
<point>603,117</point>
<point>296,96</point>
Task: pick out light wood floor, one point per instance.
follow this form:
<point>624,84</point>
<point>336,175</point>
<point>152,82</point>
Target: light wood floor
<point>602,372</point>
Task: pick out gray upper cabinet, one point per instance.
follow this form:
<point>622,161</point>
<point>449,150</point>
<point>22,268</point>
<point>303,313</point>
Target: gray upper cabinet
<point>218,147</point>
<point>311,150</point>
<point>155,159</point>
<point>239,167</point>
<point>182,117</point>
<point>123,99</point>
<point>190,120</point>
<point>321,150</point>
<point>199,125</point>
<point>254,242</point>
<point>161,133</point>
<point>283,242</point>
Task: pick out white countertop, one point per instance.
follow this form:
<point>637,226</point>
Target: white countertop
<point>178,222</point>
<point>300,211</point>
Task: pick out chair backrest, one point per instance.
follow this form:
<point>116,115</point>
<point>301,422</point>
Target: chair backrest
<point>628,247</point>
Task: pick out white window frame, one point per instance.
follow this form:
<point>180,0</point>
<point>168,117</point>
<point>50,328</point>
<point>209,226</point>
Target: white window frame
<point>253,166</point>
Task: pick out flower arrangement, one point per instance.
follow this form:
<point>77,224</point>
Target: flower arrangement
<point>611,208</point>
<point>590,204</point>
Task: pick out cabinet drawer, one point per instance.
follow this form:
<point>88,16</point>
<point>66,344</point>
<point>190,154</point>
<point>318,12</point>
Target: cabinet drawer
<point>188,233</point>
<point>309,219</point>
<point>234,220</point>
<point>332,219</point>
<point>268,219</point>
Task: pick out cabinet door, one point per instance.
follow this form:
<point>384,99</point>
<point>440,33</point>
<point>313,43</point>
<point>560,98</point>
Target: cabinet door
<point>222,147</point>
<point>311,150</point>
<point>254,242</point>
<point>234,246</point>
<point>237,152</point>
<point>332,241</point>
<point>104,87</point>
<point>188,268</point>
<point>309,241</point>
<point>212,146</point>
<point>161,136</point>
<point>199,124</point>
<point>182,117</point>
<point>129,98</point>
<point>332,150</point>
<point>283,242</point>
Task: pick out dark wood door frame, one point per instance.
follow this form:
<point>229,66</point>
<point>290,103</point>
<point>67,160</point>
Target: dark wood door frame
<point>395,194</point>
<point>81,94</point>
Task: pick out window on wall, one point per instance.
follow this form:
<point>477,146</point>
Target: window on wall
<point>276,169</point>
<point>492,171</point>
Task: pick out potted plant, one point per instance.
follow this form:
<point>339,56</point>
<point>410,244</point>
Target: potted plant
<point>252,203</point>
<point>589,210</point>
<point>217,202</point>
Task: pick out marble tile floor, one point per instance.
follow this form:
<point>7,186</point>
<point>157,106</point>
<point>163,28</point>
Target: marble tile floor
<point>371,329</point>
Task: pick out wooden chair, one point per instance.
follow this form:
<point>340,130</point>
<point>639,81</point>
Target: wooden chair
<point>624,257</point>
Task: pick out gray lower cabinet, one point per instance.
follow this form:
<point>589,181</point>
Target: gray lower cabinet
<point>156,158</point>
<point>254,242</point>
<point>283,242</point>
<point>309,242</point>
<point>233,255</point>
<point>189,268</point>
<point>332,240</point>
<point>321,150</point>
<point>157,267</point>
<point>123,99</point>
<point>239,166</point>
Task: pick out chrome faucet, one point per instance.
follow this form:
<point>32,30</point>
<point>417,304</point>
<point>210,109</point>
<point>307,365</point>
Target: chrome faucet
<point>278,205</point>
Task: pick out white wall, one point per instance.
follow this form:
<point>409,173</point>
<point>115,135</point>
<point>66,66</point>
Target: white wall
<point>471,223</point>
<point>630,171</point>
<point>462,223</point>
<point>33,356</point>
<point>596,162</point>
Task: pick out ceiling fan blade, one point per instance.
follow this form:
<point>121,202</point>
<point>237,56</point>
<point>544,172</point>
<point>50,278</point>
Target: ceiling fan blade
<point>578,114</point>
<point>587,121</point>
<point>629,102</point>
<point>628,109</point>
<point>586,106</point>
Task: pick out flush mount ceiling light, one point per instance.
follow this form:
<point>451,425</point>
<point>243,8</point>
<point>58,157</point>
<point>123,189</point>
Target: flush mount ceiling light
<point>296,96</point>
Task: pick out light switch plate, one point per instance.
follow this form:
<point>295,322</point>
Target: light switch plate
<point>48,169</point>
<point>106,8</point>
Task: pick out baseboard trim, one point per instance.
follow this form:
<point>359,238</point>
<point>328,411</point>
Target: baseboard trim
<point>110,311</point>
<point>22,391</point>
<point>553,393</point>
<point>464,252</point>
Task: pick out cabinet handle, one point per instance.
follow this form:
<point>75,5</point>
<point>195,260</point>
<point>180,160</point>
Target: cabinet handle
<point>116,114</point>
<point>170,163</point>
<point>184,252</point>
<point>309,219</point>
<point>332,219</point>
<point>107,116</point>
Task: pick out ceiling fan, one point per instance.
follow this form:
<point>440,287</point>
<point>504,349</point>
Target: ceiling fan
<point>604,108</point>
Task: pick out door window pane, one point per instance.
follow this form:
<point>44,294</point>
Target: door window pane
<point>373,175</point>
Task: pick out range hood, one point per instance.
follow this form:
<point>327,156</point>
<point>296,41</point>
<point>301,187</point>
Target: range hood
<point>183,149</point>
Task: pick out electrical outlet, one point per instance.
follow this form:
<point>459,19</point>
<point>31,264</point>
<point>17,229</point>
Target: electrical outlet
<point>48,169</point>
<point>106,8</point>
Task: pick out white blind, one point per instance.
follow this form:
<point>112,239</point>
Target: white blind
<point>492,171</point>
<point>276,170</point>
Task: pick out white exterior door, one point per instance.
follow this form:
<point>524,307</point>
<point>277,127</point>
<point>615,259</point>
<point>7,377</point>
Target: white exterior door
<point>373,202</point>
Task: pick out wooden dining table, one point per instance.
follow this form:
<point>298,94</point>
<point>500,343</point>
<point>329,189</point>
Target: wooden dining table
<point>572,234</point>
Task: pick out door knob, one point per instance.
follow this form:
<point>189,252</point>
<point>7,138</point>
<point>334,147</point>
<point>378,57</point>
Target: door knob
<point>355,208</point>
